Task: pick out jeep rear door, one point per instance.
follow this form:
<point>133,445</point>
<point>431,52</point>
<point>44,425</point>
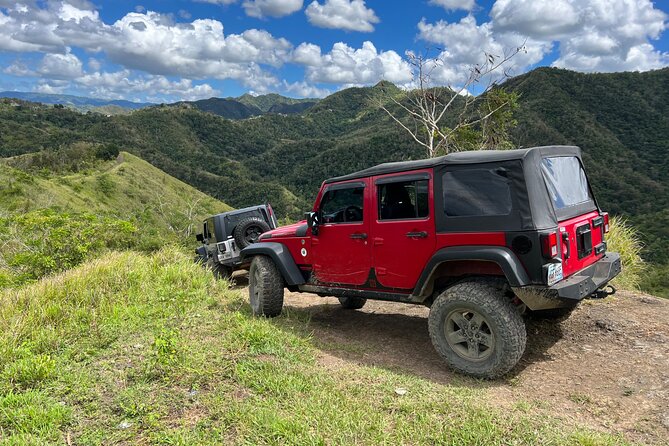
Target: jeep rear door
<point>580,225</point>
<point>403,233</point>
<point>341,250</point>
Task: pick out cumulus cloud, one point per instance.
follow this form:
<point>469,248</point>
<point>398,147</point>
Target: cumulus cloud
<point>306,90</point>
<point>60,66</point>
<point>147,41</point>
<point>466,43</point>
<point>350,15</point>
<point>346,65</point>
<point>271,8</point>
<point>593,35</point>
<point>451,5</point>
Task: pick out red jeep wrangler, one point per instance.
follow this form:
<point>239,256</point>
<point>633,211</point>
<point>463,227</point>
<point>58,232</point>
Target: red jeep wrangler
<point>476,236</point>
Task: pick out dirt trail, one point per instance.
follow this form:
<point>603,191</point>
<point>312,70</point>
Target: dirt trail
<point>607,366</point>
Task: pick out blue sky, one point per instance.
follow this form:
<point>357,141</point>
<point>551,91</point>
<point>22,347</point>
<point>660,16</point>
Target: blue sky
<point>171,50</point>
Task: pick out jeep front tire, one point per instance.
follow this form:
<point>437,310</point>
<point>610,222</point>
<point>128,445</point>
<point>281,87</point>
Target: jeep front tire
<point>265,287</point>
<point>477,329</point>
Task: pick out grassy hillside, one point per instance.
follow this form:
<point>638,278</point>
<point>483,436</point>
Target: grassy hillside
<point>58,209</point>
<point>139,349</point>
<point>127,188</point>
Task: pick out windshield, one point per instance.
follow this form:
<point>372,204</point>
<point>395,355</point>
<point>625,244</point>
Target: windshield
<point>566,181</point>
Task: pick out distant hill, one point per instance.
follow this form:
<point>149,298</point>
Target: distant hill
<point>247,106</point>
<point>78,102</point>
<point>272,103</point>
<point>126,188</point>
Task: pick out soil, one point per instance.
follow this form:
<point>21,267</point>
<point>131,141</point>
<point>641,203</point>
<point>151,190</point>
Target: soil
<point>606,366</point>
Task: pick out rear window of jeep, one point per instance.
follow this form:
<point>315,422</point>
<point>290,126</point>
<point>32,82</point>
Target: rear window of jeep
<point>566,181</point>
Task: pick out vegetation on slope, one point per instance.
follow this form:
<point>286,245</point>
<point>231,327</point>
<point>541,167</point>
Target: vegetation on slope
<point>58,208</point>
<point>149,349</point>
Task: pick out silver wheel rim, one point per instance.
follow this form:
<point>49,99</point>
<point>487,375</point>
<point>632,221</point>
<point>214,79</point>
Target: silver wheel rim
<point>469,335</point>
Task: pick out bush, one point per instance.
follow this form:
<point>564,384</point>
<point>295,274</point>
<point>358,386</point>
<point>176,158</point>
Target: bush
<point>43,242</point>
<point>624,239</point>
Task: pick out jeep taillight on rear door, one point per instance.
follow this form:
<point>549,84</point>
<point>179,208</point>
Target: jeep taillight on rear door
<point>581,227</point>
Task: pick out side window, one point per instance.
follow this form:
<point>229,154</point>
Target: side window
<point>476,192</point>
<point>343,205</point>
<point>403,200</point>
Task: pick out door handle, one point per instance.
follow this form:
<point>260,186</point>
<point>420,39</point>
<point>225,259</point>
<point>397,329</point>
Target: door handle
<point>419,234</point>
<point>359,235</point>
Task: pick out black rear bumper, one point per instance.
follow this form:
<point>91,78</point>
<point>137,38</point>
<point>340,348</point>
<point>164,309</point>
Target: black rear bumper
<point>587,281</point>
<point>568,292</point>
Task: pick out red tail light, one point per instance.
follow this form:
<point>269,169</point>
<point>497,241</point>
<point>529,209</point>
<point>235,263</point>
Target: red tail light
<point>606,222</point>
<point>549,246</point>
<point>270,210</point>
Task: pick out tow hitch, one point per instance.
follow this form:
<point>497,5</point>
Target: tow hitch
<point>603,292</point>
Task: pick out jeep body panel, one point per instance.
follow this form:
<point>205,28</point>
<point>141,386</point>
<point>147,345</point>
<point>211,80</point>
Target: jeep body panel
<point>281,257</point>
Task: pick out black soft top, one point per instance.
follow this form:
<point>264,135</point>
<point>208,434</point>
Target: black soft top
<point>470,157</point>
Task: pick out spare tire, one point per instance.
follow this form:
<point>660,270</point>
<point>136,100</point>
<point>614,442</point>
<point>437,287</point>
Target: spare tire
<point>248,230</point>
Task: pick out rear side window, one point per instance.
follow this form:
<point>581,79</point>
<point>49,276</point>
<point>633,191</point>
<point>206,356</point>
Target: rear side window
<point>566,181</point>
<point>403,200</point>
<point>342,205</point>
<point>477,192</point>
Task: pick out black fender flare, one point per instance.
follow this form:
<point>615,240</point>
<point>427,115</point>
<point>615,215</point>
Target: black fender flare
<point>511,267</point>
<point>281,258</point>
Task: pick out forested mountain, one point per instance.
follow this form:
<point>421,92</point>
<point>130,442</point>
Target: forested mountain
<point>620,120</point>
<point>248,105</point>
<point>77,102</point>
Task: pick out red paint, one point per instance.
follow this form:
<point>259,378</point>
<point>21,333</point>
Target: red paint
<point>471,239</point>
<point>572,264</point>
<point>399,260</point>
<point>338,258</point>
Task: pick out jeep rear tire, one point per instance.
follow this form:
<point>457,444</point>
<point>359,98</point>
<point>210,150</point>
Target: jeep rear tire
<point>265,287</point>
<point>248,230</point>
<point>477,330</point>
<point>352,303</point>
<point>220,271</point>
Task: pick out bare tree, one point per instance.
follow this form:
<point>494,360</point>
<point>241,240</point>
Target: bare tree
<point>427,106</point>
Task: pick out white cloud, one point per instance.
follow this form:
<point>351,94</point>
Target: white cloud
<point>19,69</point>
<point>271,8</point>
<point>594,35</point>
<point>451,5</point>
<point>60,66</point>
<point>351,15</point>
<point>122,85</point>
<point>465,44</point>
<point>306,90</point>
<point>344,65</point>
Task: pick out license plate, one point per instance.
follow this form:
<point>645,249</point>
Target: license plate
<point>554,273</point>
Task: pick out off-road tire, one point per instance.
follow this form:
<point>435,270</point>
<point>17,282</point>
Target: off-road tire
<point>500,317</point>
<point>265,287</point>
<point>554,314</point>
<point>352,302</point>
<point>220,271</point>
<point>248,230</point>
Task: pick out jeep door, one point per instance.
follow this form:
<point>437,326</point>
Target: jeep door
<point>341,250</point>
<point>403,232</point>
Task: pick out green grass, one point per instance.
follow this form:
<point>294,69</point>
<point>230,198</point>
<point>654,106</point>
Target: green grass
<point>624,239</point>
<point>149,349</point>
<point>127,188</point>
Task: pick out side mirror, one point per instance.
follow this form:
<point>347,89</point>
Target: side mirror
<point>313,220</point>
<point>199,237</point>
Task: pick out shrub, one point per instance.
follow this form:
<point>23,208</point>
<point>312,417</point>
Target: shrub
<point>624,239</point>
<point>44,242</point>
